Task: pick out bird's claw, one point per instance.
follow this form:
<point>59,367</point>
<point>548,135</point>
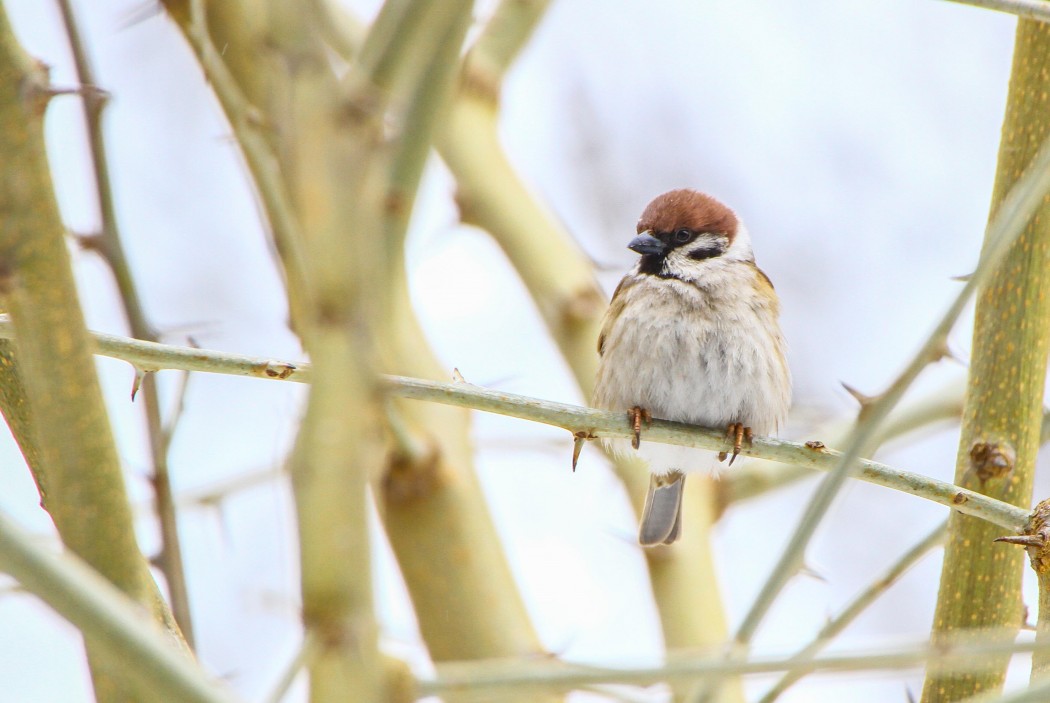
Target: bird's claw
<point>739,435</point>
<point>637,416</point>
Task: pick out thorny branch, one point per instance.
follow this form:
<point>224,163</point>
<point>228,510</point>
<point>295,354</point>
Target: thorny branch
<point>591,423</point>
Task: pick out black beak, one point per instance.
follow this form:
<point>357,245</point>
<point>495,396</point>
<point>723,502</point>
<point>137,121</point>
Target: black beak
<point>646,244</point>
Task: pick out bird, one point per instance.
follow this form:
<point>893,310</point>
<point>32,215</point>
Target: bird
<point>692,334</point>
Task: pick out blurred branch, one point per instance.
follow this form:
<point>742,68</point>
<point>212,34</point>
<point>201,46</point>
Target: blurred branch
<point>428,495</point>
<point>523,676</point>
<point>857,606</point>
<point>116,626</point>
<point>492,196</point>
<point>1003,230</point>
<point>248,124</point>
<point>78,472</point>
<point>329,468</point>
<point>1028,9</point>
<point>108,243</point>
<point>980,584</point>
<point>573,418</point>
<point>304,657</point>
<point>560,280</point>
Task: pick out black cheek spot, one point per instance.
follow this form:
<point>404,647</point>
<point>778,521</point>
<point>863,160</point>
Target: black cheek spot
<point>701,253</point>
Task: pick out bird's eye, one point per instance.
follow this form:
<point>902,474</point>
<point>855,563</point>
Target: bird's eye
<point>683,235</point>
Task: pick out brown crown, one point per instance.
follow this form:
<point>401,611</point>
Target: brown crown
<point>684,208</point>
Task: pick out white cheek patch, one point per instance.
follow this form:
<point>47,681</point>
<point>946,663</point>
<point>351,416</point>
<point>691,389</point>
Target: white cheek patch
<point>680,264</point>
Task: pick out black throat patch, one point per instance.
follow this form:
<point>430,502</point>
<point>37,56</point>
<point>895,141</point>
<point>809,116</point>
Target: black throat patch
<point>652,265</point>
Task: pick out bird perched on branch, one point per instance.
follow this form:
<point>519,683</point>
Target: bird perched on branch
<point>691,335</point>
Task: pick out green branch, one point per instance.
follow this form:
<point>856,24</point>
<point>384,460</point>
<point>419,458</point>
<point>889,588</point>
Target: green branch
<point>573,418</point>
<point>980,584</point>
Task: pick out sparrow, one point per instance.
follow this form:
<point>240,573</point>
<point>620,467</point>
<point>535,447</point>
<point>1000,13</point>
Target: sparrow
<point>691,335</point>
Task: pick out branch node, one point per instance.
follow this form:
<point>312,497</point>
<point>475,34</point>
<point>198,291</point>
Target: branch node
<point>991,460</point>
<point>36,89</point>
<point>91,241</point>
<point>279,370</point>
<point>1035,538</point>
<point>584,304</point>
<point>410,477</point>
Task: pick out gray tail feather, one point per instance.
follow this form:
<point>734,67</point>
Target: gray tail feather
<point>662,515</point>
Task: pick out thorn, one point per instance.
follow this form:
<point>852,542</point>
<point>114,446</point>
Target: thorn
<point>54,92</point>
<point>863,400</point>
<point>140,374</point>
<point>963,278</point>
<point>457,377</point>
<point>807,570</point>
<point>1023,540</point>
<point>577,447</point>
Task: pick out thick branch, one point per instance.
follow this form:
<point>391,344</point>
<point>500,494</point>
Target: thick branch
<point>981,582</point>
<point>109,244</point>
<point>79,473</point>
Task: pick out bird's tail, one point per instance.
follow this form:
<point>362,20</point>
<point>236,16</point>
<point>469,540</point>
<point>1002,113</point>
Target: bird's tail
<point>662,515</point>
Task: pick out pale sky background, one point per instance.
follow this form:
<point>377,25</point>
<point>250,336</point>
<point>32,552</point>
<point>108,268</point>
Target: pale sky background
<point>857,139</point>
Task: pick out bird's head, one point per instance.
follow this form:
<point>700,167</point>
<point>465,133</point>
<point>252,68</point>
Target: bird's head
<point>684,232</point>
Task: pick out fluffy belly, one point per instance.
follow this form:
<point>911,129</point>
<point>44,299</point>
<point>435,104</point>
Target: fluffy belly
<point>680,366</point>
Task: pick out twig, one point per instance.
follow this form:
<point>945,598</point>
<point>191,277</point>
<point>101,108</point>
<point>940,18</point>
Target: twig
<point>1027,9</point>
<point>856,607</point>
<point>573,418</point>
<point>246,122</point>
<point>493,675</point>
<point>756,478</point>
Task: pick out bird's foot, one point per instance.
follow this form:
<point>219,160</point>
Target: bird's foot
<point>638,416</point>
<point>739,435</point>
